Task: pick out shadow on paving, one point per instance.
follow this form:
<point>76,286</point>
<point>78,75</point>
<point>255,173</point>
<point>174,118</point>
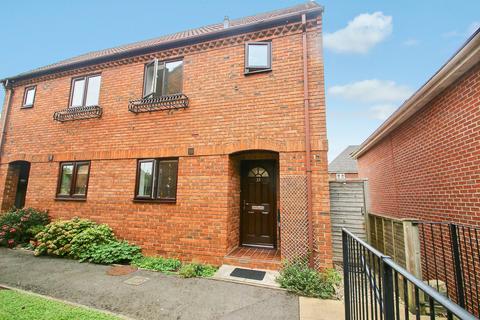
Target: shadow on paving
<point>161,297</point>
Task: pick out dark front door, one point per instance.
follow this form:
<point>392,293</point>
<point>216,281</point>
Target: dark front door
<point>24,171</point>
<point>258,203</point>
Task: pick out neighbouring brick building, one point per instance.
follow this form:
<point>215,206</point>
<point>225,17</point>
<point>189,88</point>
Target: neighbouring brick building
<point>424,161</point>
<point>197,144</point>
<point>344,166</point>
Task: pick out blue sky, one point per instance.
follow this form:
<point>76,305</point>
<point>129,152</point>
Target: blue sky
<point>376,52</point>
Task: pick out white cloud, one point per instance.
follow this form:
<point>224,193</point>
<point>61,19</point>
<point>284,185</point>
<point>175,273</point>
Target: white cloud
<point>361,34</point>
<point>411,42</point>
<point>372,91</point>
<point>382,111</point>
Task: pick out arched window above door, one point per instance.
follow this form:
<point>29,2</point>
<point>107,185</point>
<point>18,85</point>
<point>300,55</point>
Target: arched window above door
<point>258,172</point>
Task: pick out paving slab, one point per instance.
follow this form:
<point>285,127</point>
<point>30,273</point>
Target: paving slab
<point>317,309</point>
<point>161,297</point>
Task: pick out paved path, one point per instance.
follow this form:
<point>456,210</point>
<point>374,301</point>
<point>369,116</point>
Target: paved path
<point>161,297</point>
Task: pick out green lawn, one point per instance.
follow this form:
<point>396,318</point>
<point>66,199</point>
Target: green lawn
<point>21,306</point>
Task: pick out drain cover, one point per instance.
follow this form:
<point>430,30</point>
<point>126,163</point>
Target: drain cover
<point>248,274</point>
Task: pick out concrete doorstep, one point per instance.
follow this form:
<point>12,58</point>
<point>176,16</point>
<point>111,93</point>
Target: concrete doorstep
<point>223,273</point>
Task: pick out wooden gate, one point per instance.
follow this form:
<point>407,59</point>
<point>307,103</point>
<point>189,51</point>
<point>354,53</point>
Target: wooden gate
<point>348,209</point>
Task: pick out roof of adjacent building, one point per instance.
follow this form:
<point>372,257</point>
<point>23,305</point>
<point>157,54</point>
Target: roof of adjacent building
<point>245,24</point>
<point>461,62</point>
<point>344,162</point>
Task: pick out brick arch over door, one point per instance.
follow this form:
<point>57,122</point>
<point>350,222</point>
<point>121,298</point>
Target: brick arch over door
<point>254,145</point>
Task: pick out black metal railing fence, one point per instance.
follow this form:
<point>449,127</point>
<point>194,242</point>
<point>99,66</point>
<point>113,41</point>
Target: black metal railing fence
<point>450,255</point>
<point>378,288</point>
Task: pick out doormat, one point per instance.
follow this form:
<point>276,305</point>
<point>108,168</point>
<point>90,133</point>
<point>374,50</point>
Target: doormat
<point>248,274</point>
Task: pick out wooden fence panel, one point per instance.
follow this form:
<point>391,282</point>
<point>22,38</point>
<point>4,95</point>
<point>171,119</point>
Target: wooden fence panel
<point>347,207</point>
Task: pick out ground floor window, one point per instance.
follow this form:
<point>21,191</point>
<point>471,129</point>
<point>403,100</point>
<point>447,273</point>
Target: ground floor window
<point>73,179</point>
<point>157,179</point>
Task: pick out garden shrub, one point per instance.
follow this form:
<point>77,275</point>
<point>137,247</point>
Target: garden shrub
<point>158,264</point>
<point>84,240</point>
<point>18,226</point>
<point>297,277</point>
<point>94,235</point>
<point>56,239</point>
<point>112,252</point>
<point>197,270</point>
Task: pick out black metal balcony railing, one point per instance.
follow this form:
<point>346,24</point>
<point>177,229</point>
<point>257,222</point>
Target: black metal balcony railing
<point>173,101</point>
<point>78,113</point>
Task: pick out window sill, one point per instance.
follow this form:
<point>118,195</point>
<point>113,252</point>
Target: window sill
<point>154,201</point>
<point>70,199</point>
<point>246,73</point>
<point>26,107</point>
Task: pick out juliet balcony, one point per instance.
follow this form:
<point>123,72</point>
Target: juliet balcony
<point>78,113</point>
<point>167,102</point>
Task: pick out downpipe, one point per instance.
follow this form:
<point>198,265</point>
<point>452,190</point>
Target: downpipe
<point>308,163</point>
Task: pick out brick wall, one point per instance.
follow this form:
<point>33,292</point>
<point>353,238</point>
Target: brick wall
<point>429,167</point>
<point>228,112</point>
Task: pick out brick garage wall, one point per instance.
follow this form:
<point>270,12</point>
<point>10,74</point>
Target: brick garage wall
<point>228,112</point>
<point>429,167</point>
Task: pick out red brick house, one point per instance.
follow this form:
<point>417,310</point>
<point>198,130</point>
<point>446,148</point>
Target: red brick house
<point>424,161</point>
<point>200,144</point>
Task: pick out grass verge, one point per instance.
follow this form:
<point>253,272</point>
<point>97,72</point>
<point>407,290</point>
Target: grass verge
<point>22,306</point>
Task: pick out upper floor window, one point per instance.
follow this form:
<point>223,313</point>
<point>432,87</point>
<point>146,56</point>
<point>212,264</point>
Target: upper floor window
<point>157,180</point>
<point>73,179</point>
<point>85,91</point>
<point>258,57</point>
<point>163,78</point>
<point>29,97</point>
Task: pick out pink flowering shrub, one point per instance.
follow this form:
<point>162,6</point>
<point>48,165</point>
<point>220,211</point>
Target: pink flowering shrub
<point>19,226</point>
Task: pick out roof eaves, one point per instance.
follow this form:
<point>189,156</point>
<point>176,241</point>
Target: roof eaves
<point>249,27</point>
